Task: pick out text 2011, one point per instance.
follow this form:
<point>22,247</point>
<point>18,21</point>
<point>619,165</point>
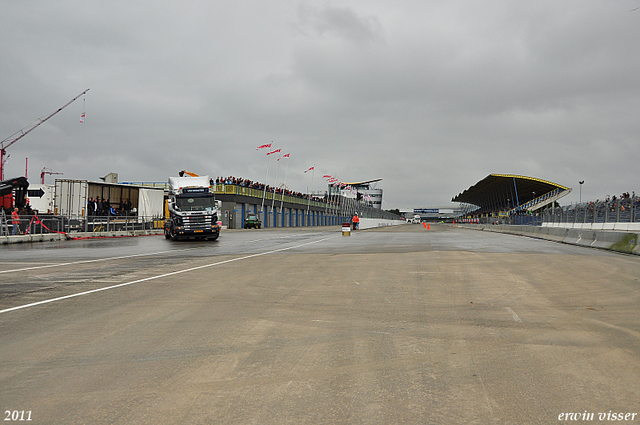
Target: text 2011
<point>17,415</point>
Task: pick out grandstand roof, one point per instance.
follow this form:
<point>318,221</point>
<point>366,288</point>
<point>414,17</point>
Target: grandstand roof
<point>504,191</point>
<point>362,183</point>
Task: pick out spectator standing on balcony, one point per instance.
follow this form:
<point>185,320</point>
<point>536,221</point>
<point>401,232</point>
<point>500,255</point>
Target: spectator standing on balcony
<point>127,206</point>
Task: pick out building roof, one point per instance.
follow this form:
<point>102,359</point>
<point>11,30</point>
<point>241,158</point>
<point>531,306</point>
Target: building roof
<point>361,183</point>
<point>506,191</point>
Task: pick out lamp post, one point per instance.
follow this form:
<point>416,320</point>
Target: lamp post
<point>581,182</point>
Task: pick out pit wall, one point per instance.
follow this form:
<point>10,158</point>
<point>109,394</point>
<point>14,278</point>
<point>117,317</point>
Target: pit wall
<point>619,241</point>
<point>369,223</point>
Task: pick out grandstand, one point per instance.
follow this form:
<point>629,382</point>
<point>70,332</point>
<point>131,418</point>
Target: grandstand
<point>505,195</point>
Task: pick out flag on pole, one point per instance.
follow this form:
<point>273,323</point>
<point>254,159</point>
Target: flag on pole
<point>286,155</point>
<point>264,146</point>
<point>327,176</point>
<point>275,151</point>
<point>83,114</point>
<point>312,168</point>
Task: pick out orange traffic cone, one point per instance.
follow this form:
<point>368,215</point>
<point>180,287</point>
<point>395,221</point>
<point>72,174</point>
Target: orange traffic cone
<point>428,227</point>
<point>424,225</point>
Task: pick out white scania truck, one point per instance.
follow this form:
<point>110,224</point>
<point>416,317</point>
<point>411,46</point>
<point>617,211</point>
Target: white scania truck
<point>193,210</point>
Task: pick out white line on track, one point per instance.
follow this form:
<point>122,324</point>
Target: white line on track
<point>160,276</point>
<point>92,261</point>
<point>513,314</point>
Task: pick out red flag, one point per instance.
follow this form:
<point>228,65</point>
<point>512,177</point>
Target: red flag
<point>82,117</point>
<point>264,146</point>
<point>286,155</point>
<point>312,168</point>
<point>276,151</point>
<point>327,176</point>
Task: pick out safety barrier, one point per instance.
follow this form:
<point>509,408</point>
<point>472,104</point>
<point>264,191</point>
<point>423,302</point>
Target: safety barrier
<point>33,228</point>
<point>625,242</point>
<point>369,223</point>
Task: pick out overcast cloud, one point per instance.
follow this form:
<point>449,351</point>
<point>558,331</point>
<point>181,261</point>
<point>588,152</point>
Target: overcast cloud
<point>430,96</point>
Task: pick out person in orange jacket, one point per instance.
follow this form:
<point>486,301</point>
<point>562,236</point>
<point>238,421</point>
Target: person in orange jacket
<point>355,220</point>
<point>15,220</point>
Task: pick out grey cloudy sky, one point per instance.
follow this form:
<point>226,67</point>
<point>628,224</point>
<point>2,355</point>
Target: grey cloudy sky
<point>430,96</point>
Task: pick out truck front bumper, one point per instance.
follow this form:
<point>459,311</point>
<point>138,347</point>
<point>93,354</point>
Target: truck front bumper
<point>213,231</point>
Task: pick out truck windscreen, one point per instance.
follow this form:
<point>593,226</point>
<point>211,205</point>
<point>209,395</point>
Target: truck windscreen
<point>195,204</point>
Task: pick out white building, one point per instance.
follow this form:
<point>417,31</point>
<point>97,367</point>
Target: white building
<point>365,191</point>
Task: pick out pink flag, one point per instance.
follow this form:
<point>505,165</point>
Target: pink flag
<point>264,146</point>
<point>312,168</point>
<point>82,117</point>
<point>276,151</point>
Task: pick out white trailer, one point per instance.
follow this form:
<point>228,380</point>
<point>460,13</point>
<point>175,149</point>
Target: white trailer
<point>72,196</point>
<point>41,197</point>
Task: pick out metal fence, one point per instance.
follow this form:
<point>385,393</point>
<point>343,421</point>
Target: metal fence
<point>44,224</point>
<point>621,210</point>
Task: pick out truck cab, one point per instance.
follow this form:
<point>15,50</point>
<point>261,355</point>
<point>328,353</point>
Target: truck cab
<point>193,210</point>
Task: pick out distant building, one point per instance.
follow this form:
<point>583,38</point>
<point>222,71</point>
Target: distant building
<point>436,212</point>
<point>365,191</point>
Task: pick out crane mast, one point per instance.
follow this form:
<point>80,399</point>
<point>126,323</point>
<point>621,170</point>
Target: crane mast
<point>26,130</point>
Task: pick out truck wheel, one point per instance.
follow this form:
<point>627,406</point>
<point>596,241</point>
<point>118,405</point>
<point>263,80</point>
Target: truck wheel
<point>172,235</point>
<point>166,233</point>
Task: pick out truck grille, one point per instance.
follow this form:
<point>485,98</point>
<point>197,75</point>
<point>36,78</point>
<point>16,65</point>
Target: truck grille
<point>196,222</point>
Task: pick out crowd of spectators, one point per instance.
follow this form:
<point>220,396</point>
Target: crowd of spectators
<point>100,207</point>
<point>624,202</point>
<point>238,181</point>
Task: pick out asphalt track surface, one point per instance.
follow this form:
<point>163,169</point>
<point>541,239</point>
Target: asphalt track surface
<point>306,326</point>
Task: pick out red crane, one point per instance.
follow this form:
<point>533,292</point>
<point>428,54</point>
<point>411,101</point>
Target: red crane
<point>44,171</point>
<point>23,132</point>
